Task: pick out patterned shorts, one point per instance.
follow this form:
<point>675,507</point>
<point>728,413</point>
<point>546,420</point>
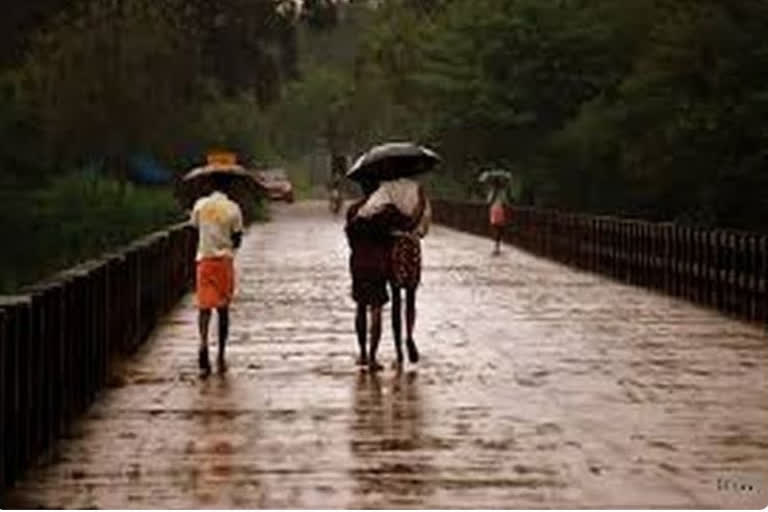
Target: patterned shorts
<point>406,262</point>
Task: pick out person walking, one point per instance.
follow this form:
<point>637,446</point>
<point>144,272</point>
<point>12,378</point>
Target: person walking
<point>219,221</point>
<point>499,200</point>
<point>338,167</point>
<point>408,224</point>
<point>369,264</point>
<point>334,191</point>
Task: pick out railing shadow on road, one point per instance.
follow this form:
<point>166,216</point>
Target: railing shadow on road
<point>392,466</point>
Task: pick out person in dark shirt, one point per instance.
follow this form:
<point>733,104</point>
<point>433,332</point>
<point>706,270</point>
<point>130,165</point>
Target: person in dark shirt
<point>369,263</point>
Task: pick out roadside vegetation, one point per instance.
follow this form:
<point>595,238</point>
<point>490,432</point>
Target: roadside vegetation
<point>647,108</point>
<point>86,86</point>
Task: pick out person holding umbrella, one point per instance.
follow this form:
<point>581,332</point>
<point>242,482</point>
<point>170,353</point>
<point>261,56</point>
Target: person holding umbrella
<point>499,199</point>
<point>400,204</point>
<point>370,246</point>
<point>219,221</point>
<point>338,168</point>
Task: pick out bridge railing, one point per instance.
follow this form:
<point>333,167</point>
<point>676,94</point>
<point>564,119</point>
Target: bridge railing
<point>58,337</point>
<point>722,269</point>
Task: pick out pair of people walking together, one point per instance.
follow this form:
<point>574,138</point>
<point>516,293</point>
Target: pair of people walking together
<point>384,229</point>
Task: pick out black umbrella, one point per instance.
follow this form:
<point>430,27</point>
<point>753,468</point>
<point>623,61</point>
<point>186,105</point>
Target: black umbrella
<point>393,160</point>
<point>198,182</point>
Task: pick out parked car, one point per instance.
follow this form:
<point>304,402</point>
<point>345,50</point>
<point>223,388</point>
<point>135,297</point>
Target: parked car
<point>277,183</point>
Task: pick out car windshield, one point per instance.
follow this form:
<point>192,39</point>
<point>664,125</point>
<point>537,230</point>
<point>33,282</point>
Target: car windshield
<point>274,175</point>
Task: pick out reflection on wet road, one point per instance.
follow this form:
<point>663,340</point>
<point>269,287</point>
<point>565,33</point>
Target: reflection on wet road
<point>540,387</point>
<point>393,461</point>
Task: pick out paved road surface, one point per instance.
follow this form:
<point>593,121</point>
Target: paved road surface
<point>539,387</point>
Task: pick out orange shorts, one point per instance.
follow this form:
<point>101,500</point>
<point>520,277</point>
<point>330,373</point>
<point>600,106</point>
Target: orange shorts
<point>215,282</point>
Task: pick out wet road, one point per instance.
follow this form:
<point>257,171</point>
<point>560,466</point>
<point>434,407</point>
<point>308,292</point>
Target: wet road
<point>539,387</point>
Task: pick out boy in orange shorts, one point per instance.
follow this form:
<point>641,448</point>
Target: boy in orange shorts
<point>219,221</point>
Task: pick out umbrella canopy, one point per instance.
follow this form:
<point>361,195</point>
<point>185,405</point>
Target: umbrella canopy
<point>495,175</point>
<point>392,161</point>
<point>199,181</point>
<point>233,170</point>
<point>499,180</point>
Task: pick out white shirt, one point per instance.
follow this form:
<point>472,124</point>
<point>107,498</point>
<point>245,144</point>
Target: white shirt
<point>403,194</point>
<point>217,218</point>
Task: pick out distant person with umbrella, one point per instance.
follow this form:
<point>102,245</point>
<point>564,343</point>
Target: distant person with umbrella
<point>499,199</point>
<point>219,221</point>
<point>338,168</point>
<point>401,205</point>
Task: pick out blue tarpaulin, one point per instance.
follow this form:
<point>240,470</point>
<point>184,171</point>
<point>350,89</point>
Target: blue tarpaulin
<point>146,170</point>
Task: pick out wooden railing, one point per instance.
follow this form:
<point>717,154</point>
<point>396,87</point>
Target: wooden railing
<point>722,269</point>
<point>58,337</point>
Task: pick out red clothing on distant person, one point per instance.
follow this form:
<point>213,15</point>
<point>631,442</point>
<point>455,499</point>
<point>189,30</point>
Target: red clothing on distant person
<point>498,215</point>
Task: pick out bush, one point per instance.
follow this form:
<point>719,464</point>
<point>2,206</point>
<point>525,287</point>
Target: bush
<point>71,219</point>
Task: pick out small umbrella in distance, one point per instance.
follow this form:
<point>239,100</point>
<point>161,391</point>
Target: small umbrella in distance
<point>495,175</point>
<point>501,179</point>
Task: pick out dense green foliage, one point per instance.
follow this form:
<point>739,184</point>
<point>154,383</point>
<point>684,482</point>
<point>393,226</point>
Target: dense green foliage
<point>90,81</point>
<point>74,218</point>
<point>652,108</point>
<point>107,78</point>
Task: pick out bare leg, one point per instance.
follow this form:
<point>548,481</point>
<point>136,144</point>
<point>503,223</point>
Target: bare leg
<point>410,322</point>
<point>361,328</point>
<point>373,365</point>
<point>204,319</point>
<point>223,335</point>
<point>397,323</point>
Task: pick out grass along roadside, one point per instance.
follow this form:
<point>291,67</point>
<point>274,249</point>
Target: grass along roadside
<point>72,219</point>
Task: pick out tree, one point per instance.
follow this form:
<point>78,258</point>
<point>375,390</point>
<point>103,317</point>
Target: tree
<point>108,78</point>
<point>320,14</point>
<point>244,44</point>
<point>686,123</point>
<point>18,21</point>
